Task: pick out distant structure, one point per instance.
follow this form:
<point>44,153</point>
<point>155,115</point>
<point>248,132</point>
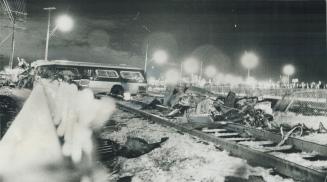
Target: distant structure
<point>15,12</point>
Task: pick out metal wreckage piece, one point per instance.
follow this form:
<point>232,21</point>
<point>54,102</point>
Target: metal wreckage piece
<point>200,106</point>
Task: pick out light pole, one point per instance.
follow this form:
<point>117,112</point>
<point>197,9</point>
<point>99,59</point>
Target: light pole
<point>210,72</point>
<point>288,70</point>
<point>249,60</point>
<point>49,9</point>
<point>146,48</point>
<point>64,23</point>
<point>191,66</point>
<point>146,56</point>
<point>159,57</point>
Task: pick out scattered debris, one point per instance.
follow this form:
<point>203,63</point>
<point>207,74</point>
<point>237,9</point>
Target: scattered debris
<point>125,179</point>
<point>322,128</point>
<point>134,147</point>
<point>288,134</point>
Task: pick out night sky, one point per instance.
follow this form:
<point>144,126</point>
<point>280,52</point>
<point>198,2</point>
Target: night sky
<point>217,32</point>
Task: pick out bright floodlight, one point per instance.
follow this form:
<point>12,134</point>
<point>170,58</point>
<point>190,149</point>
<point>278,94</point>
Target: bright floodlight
<point>210,71</point>
<point>64,23</point>
<point>172,76</point>
<point>191,65</point>
<point>249,60</point>
<point>160,57</point>
<point>288,69</point>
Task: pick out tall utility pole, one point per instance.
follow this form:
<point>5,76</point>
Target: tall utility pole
<point>13,40</point>
<point>12,43</point>
<point>15,14</point>
<point>201,70</point>
<point>146,48</point>
<point>48,32</point>
<point>146,56</point>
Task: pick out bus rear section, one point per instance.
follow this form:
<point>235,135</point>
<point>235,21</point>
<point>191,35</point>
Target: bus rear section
<point>118,81</point>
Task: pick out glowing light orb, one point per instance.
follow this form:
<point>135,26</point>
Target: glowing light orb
<point>288,69</point>
<point>191,65</point>
<point>249,60</point>
<point>64,23</point>
<point>210,71</point>
<point>160,57</point>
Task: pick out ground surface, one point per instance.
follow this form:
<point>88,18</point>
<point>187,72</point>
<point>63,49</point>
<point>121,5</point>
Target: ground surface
<point>181,158</point>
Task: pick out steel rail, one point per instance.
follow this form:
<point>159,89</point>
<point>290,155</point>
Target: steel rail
<point>298,144</point>
<point>253,156</point>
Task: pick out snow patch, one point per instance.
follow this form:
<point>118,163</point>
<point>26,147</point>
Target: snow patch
<point>180,158</point>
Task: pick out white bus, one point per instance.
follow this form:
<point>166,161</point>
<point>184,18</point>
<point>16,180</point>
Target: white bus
<point>101,78</point>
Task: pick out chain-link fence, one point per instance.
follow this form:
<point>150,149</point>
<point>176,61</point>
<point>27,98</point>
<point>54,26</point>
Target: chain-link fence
<point>259,91</point>
<point>312,102</point>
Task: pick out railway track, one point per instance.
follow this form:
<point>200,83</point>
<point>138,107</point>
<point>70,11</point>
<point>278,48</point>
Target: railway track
<point>258,147</point>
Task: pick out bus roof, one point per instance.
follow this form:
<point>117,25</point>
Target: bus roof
<point>86,64</point>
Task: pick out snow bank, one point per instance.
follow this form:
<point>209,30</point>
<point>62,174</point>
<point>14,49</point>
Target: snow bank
<point>181,158</point>
<point>76,114</point>
<point>31,139</point>
<point>31,146</point>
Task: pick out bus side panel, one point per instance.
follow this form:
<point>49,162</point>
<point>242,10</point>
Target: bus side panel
<point>102,86</point>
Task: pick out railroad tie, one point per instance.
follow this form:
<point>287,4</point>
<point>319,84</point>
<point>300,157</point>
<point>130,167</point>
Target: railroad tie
<point>216,130</point>
<point>264,143</point>
<point>239,139</point>
<point>226,134</point>
<point>278,149</point>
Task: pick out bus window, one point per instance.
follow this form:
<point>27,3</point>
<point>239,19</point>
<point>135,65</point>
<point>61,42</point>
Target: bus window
<point>86,73</point>
<point>68,72</point>
<point>45,72</point>
<point>106,73</point>
<point>132,76</point>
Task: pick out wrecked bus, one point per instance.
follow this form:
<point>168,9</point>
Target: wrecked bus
<point>99,77</point>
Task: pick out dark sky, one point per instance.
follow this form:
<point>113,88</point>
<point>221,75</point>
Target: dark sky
<point>280,32</point>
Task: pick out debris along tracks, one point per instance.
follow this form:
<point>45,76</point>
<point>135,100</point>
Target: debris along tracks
<point>256,146</point>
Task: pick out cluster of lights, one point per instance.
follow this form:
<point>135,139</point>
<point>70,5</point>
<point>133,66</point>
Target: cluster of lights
<point>228,79</point>
<point>192,66</point>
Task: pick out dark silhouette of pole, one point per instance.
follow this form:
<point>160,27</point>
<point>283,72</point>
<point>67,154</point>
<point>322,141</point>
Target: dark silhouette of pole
<point>12,43</point>
<point>48,32</point>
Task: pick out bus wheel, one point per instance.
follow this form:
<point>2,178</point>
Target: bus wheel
<point>117,90</point>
